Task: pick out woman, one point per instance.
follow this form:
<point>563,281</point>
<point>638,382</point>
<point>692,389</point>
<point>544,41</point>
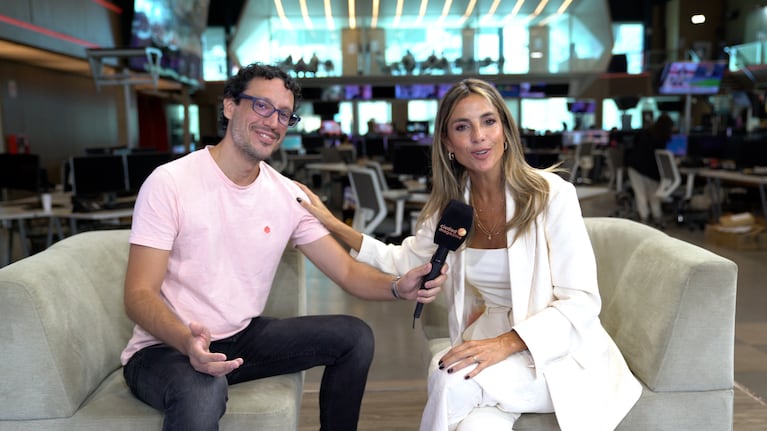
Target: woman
<point>643,169</point>
<point>537,345</point>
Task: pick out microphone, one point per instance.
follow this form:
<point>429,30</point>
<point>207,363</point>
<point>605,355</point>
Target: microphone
<point>451,231</point>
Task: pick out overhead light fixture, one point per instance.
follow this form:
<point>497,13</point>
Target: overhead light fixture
<point>398,13</point>
<point>514,12</point>
<point>422,11</point>
<point>352,15</point>
<point>698,19</point>
<point>374,19</point>
<point>565,4</point>
<point>281,14</point>
<point>558,14</point>
<point>445,11</point>
<point>329,15</point>
<point>539,8</point>
<point>468,12</point>
<point>491,11</point>
<point>305,14</point>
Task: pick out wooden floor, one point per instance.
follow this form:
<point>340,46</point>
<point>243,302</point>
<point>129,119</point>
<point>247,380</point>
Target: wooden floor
<point>396,391</point>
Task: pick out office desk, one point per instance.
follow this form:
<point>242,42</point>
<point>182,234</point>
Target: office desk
<point>329,167</point>
<point>98,215</point>
<point>714,177</point>
<point>15,214</point>
<point>19,213</point>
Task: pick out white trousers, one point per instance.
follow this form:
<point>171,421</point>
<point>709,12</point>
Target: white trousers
<point>644,195</point>
<point>492,400</point>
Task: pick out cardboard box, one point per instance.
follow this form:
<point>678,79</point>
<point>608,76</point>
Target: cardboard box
<point>755,238</point>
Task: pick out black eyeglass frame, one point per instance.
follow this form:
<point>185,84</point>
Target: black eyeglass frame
<point>292,118</point>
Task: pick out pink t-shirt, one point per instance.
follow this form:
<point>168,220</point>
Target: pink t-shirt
<point>225,240</point>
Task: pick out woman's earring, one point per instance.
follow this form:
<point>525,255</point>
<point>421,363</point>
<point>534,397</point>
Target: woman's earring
<point>451,156</point>
<point>505,145</point>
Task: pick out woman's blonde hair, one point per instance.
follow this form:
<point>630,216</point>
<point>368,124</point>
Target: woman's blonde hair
<point>528,188</point>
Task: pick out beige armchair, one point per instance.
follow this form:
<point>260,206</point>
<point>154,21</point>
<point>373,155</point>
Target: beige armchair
<point>670,307</point>
<point>63,328</point>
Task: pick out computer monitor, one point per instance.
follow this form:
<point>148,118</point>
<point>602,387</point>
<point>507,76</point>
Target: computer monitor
<point>417,128</point>
<point>20,172</point>
<point>312,143</point>
<point>374,147</point>
<point>706,146</point>
<point>678,145</point>
<point>139,165</point>
<point>411,159</point>
<point>292,143</point>
<point>96,177</point>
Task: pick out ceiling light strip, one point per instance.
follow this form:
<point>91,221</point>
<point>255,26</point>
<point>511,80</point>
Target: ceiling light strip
<point>565,4</point>
<point>445,11</point>
<point>374,20</point>
<point>329,15</point>
<point>305,14</point>
<point>468,12</point>
<point>422,11</point>
<point>352,15</point>
<point>540,7</point>
<point>493,8</point>
<point>515,11</point>
<point>398,12</point>
<point>281,14</point>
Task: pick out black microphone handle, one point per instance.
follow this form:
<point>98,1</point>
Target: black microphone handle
<point>436,267</point>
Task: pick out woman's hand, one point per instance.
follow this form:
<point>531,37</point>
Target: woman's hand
<point>484,353</point>
<point>316,207</point>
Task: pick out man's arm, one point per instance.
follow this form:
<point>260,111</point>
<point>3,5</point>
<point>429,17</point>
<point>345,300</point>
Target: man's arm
<point>366,282</point>
<point>145,306</point>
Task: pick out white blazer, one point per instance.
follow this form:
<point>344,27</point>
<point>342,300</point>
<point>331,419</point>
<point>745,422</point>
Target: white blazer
<point>555,305</point>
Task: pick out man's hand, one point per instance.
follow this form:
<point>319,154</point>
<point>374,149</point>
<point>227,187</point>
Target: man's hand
<point>409,286</point>
<point>200,356</point>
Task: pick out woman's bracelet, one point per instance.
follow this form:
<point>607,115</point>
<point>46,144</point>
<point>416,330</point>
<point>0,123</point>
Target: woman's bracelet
<point>394,290</point>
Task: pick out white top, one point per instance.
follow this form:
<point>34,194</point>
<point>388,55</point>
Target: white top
<point>487,271</point>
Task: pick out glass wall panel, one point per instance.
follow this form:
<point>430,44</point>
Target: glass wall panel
<point>545,115</point>
<point>626,36</point>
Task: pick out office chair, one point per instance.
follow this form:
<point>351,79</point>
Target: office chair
<point>371,210</point>
<point>670,190</point>
<point>583,161</point>
<point>397,196</point>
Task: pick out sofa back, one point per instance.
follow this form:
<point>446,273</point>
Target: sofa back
<point>668,304</point>
<point>63,322</point>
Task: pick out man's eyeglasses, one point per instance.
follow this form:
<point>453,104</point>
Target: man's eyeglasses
<point>265,109</point>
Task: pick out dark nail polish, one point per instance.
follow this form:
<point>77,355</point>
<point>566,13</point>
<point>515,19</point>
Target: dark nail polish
<point>298,200</point>
<point>441,367</point>
<point>450,371</point>
<point>441,364</point>
<point>467,377</point>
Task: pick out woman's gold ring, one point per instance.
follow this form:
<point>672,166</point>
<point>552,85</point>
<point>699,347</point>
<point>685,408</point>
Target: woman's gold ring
<point>474,358</point>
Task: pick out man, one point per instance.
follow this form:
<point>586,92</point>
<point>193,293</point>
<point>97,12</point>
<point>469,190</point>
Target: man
<point>207,236</point>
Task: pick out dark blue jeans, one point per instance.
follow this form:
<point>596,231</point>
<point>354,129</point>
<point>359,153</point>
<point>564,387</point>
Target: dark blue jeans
<point>163,378</point>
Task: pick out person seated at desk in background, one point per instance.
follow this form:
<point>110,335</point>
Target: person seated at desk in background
<point>208,233</point>
<point>529,260</point>
<point>643,173</point>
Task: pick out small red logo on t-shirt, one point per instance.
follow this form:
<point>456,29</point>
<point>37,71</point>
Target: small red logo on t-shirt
<point>267,229</point>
